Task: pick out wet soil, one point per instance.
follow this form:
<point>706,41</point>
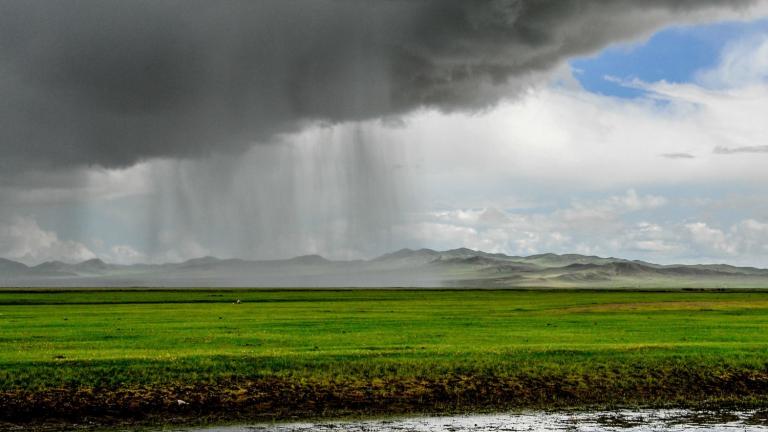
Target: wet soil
<point>280,399</point>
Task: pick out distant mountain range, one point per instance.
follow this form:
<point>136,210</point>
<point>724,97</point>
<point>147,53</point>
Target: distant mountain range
<point>404,268</point>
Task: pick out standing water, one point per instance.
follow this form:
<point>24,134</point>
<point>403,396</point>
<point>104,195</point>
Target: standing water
<point>630,421</point>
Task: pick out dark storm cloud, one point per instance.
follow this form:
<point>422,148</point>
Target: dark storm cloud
<point>111,82</point>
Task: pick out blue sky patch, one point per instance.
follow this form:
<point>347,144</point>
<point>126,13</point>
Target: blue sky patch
<point>674,54</point>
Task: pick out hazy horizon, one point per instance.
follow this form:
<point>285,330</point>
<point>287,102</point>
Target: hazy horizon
<point>471,252</point>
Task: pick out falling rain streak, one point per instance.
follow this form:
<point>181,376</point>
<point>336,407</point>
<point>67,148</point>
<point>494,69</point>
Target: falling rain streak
<point>336,191</point>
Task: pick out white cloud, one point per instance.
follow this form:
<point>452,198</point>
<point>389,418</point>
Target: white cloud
<point>743,62</point>
<point>654,246</point>
<point>712,240</point>
<point>22,239</point>
<point>591,226</point>
<point>673,241</point>
<point>124,254</point>
<point>751,236</point>
<point>571,139</point>
<point>609,209</point>
<point>578,141</point>
<point>745,238</point>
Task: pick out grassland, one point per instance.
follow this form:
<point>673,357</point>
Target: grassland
<point>128,354</point>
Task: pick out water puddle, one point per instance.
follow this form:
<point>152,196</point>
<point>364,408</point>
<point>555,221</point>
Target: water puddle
<point>625,421</point>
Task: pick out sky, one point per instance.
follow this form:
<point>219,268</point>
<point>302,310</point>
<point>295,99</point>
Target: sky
<point>262,130</point>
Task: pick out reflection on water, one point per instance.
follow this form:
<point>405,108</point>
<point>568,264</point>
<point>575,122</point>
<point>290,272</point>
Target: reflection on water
<point>625,421</point>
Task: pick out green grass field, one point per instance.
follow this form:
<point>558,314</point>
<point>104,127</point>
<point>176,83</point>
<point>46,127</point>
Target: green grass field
<point>202,335</point>
<point>588,340</point>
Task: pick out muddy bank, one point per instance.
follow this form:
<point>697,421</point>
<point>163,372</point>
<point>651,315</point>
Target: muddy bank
<point>291,398</point>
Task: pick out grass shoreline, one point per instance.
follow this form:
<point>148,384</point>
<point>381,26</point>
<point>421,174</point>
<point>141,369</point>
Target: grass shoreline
<point>126,357</point>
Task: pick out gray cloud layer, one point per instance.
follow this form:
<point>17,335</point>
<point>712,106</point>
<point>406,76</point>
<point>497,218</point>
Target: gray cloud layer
<point>111,82</point>
<point>678,156</point>
<point>745,149</point>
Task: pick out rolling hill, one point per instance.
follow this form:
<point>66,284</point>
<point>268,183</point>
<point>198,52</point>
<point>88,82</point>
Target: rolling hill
<point>404,268</point>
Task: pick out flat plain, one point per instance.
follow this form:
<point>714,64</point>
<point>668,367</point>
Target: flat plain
<point>252,353</point>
